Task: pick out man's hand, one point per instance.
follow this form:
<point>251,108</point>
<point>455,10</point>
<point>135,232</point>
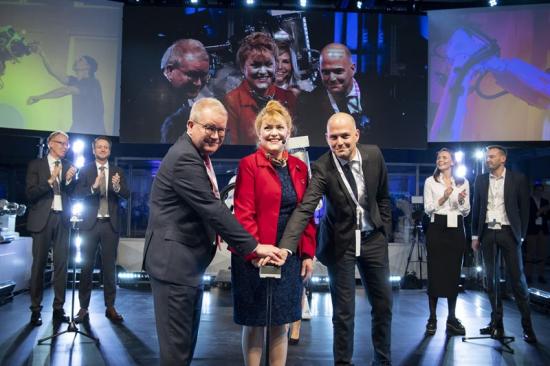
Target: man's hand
<point>55,174</point>
<point>307,269</point>
<point>475,245</point>
<point>274,254</point>
<point>70,174</point>
<point>98,179</point>
<point>116,182</point>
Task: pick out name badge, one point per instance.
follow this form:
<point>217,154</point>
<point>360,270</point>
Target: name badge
<point>452,220</point>
<point>357,243</point>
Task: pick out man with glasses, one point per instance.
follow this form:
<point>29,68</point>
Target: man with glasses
<point>185,65</point>
<point>185,222</point>
<point>49,184</point>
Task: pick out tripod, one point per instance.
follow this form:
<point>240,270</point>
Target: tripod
<point>72,328</point>
<point>420,256</point>
<point>497,259</point>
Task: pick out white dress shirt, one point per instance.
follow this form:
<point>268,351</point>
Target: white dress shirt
<point>434,190</point>
<point>57,204</point>
<point>496,211</point>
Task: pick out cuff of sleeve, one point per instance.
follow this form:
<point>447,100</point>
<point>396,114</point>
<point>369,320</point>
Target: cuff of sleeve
<point>289,251</point>
<point>475,237</point>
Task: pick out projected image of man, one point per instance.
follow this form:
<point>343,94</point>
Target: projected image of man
<point>185,65</point>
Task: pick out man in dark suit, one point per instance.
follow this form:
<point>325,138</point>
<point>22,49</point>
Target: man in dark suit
<point>180,242</point>
<point>353,231</point>
<point>499,220</point>
<point>101,186</point>
<point>185,65</point>
<point>340,92</point>
<point>537,235</point>
<point>49,185</point>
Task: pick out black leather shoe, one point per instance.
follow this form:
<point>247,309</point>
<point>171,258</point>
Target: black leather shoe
<point>59,315</point>
<point>431,327</point>
<point>36,318</point>
<point>455,327</point>
<point>529,336</point>
<point>82,317</point>
<point>486,330</point>
<point>113,316</point>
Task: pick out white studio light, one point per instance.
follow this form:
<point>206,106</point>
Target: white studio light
<point>78,241</point>
<point>78,258</point>
<point>77,209</point>
<point>479,154</point>
<point>395,278</point>
<point>460,171</point>
<point>249,2</point>
<point>78,146</point>
<point>459,156</point>
<point>359,4</point>
<point>493,3</point>
<point>479,269</point>
<point>79,161</point>
<point>303,3</point>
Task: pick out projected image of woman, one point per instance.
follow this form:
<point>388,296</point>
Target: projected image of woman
<point>270,183</point>
<point>257,59</point>
<point>447,202</point>
<point>286,76</point>
<point>87,98</point>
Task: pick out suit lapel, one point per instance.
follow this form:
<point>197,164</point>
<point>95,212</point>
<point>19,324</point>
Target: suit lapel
<point>340,180</point>
<point>46,167</point>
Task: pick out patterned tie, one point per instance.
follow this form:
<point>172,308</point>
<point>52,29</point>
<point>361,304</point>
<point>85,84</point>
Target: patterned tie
<point>56,187</point>
<point>103,205</point>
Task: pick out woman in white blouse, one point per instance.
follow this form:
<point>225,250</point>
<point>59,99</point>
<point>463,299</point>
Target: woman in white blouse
<point>447,202</point>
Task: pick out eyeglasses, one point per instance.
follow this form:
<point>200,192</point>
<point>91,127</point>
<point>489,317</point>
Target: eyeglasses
<point>62,143</point>
<point>212,129</point>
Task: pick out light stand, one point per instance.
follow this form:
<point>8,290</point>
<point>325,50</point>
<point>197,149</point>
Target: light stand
<point>72,328</point>
<point>503,340</point>
<point>419,249</point>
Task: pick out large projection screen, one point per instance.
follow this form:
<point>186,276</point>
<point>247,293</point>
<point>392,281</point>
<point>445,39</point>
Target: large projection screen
<point>59,65</point>
<point>387,82</point>
<point>489,74</point>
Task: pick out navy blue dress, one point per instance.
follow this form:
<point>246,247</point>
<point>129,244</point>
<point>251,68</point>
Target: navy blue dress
<point>249,290</point>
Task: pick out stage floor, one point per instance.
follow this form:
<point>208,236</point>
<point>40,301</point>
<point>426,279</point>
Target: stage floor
<point>134,342</point>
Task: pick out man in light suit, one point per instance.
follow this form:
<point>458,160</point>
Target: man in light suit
<point>101,185</point>
<point>49,185</point>
<point>500,216</point>
<point>353,231</point>
<point>186,215</point>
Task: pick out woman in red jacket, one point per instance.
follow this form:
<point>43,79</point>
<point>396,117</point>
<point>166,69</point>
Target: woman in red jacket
<point>257,58</point>
<point>270,183</point>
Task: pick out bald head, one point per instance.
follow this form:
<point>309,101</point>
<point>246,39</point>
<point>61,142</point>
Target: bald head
<point>337,69</point>
<point>342,135</point>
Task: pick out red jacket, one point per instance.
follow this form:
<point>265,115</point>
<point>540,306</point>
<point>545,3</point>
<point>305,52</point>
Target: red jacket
<point>242,110</point>
<point>257,199</point>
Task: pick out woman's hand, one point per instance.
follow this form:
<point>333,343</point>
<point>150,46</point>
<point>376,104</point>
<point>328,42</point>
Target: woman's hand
<point>307,269</point>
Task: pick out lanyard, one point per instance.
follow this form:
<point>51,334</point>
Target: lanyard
<point>358,208</point>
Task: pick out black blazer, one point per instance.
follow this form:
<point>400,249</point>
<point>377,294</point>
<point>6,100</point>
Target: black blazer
<point>532,228</point>
<point>516,203</point>
<point>40,193</point>
<point>86,179</point>
<point>337,227</point>
<point>184,216</point>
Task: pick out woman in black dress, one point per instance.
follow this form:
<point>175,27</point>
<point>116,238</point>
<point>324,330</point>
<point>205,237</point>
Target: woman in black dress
<point>447,202</point>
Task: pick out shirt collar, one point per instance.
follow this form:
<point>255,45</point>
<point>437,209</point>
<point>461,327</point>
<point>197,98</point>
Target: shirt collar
<point>52,160</point>
<point>355,158</point>
<point>106,165</point>
<point>498,178</point>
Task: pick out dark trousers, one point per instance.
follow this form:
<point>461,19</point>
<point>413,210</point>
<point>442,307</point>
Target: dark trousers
<point>511,252</point>
<point>178,315</point>
<point>373,267</point>
<point>57,235</point>
<point>102,233</point>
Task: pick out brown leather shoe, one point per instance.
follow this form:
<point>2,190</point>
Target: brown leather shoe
<point>113,316</point>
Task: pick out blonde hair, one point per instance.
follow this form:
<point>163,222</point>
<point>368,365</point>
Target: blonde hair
<point>206,103</point>
<point>273,110</point>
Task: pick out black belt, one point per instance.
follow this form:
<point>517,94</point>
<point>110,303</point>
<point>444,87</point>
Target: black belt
<point>55,211</point>
<point>104,219</point>
<point>366,235</point>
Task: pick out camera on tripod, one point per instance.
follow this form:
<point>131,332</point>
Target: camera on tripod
<point>410,279</point>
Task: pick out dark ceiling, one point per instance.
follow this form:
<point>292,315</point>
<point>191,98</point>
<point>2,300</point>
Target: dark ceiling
<point>391,6</point>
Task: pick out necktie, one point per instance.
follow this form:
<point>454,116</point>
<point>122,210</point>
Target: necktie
<point>211,175</point>
<point>56,188</point>
<point>351,179</point>
<point>103,204</point>
<point>343,105</point>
